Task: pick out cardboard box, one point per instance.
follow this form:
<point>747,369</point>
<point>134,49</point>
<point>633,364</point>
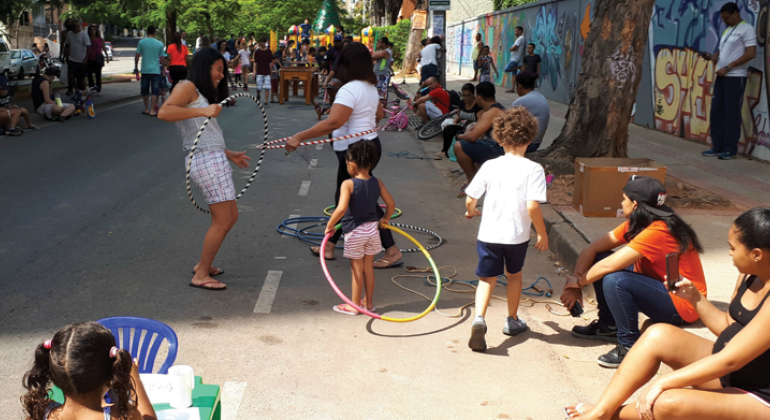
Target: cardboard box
<point>599,183</point>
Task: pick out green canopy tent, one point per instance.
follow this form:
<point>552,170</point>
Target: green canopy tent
<point>328,15</point>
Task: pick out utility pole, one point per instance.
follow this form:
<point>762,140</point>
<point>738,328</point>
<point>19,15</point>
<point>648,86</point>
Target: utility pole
<point>438,9</point>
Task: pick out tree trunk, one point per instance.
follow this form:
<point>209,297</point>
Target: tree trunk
<point>171,16</point>
<point>413,47</point>
<point>600,110</point>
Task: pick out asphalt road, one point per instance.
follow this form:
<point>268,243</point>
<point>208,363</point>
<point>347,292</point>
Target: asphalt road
<point>95,222</point>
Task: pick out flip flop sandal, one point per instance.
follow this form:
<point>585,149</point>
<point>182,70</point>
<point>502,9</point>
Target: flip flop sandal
<point>341,309</point>
<point>578,408</point>
<point>389,264</point>
<point>318,254</point>
<point>363,305</point>
<point>203,286</point>
<point>214,275</point>
<point>145,113</point>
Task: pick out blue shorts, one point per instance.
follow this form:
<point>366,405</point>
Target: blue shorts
<point>496,259</point>
<point>509,68</point>
<point>427,71</point>
<point>482,150</point>
<point>150,81</point>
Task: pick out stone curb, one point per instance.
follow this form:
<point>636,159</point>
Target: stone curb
<point>563,240</point>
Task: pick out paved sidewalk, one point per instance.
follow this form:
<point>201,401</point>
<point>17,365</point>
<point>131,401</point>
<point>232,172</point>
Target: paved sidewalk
<point>742,181</point>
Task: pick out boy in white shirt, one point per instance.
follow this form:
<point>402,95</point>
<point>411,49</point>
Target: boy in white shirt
<point>514,188</point>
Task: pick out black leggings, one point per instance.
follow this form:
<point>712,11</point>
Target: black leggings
<point>177,73</point>
<point>94,70</point>
<point>386,236</point>
<point>449,134</point>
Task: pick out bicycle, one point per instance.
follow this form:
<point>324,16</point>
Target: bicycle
<point>433,128</point>
<point>83,103</point>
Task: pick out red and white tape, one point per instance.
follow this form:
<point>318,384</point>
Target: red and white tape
<point>309,143</point>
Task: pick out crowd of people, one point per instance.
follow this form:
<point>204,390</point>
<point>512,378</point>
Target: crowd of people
<point>725,379</point>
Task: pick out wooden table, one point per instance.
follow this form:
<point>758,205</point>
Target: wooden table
<point>294,75</point>
<point>206,398</point>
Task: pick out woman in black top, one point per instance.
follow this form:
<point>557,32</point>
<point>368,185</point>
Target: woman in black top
<point>728,381</point>
<point>470,112</point>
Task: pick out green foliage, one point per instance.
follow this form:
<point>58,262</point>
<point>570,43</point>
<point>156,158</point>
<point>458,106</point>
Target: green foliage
<point>506,4</point>
<point>398,34</point>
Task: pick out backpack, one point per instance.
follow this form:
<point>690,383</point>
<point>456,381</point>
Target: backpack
<point>455,101</point>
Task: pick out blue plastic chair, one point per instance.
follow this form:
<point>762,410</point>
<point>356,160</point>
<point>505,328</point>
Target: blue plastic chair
<point>140,347</point>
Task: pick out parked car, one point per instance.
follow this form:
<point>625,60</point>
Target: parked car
<point>5,58</point>
<point>109,50</point>
<point>23,63</point>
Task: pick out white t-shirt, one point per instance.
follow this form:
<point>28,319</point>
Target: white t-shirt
<point>732,45</point>
<point>516,55</point>
<point>245,56</point>
<point>363,98</point>
<point>509,183</point>
<point>428,54</point>
<point>79,42</point>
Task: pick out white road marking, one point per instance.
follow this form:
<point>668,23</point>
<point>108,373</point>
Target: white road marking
<point>319,146</point>
<point>313,164</point>
<point>267,295</point>
<point>304,188</point>
<point>291,225</point>
<point>279,258</point>
<point>232,394</point>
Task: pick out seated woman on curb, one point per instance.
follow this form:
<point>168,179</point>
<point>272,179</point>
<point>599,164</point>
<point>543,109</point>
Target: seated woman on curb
<point>469,112</point>
<point>631,280</point>
<point>728,381</point>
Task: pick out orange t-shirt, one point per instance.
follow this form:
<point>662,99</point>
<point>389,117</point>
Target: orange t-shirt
<point>654,243</point>
<point>177,58</point>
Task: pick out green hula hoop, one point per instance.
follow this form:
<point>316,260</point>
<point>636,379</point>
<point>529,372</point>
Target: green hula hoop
<point>328,211</point>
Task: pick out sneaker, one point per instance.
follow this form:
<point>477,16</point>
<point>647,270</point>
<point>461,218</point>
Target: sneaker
<point>615,357</point>
<point>596,330</point>
<point>514,326</point>
<point>478,330</point>
<point>726,155</point>
<point>14,132</point>
<point>710,153</point>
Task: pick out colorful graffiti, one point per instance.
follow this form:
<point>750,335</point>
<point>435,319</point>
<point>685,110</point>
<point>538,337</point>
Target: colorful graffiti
<point>545,36</point>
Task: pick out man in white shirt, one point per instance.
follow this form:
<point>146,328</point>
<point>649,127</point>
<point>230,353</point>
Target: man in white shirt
<point>737,46</point>
<point>428,61</point>
<point>516,50</point>
<point>184,38</point>
<point>199,43</point>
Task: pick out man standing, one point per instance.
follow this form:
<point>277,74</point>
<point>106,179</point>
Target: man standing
<point>428,61</point>
<point>184,38</point>
<point>434,104</point>
<point>199,42</point>
<point>535,103</point>
<point>151,51</point>
<point>79,48</point>
<point>531,62</point>
<point>306,27</point>
<point>231,46</point>
<point>263,59</point>
<point>737,46</point>
<point>477,46</point>
<point>516,49</point>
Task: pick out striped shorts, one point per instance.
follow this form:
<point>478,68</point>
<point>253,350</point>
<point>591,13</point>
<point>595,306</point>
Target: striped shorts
<point>363,240</point>
<point>212,173</point>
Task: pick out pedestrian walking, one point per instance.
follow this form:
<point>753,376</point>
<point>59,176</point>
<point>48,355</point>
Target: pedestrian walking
<point>486,64</point>
<point>263,59</point>
<point>517,50</point>
<point>177,59</point>
<point>189,105</point>
<point>151,52</point>
<point>79,50</point>
<point>245,64</point>
<point>184,38</point>
<point>737,46</point>
<point>229,61</point>
<point>97,56</point>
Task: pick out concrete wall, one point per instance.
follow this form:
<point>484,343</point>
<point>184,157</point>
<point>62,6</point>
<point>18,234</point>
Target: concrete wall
<point>676,87</point>
<point>469,9</point>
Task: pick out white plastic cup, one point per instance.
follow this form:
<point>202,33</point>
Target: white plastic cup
<point>182,382</point>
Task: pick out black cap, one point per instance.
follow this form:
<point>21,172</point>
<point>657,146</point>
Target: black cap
<point>648,192</point>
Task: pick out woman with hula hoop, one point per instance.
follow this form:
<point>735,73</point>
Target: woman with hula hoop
<point>356,108</point>
<point>189,105</point>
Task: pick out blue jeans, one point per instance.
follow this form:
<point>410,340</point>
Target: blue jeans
<point>726,113</point>
<point>150,82</point>
<point>623,294</point>
<point>509,68</point>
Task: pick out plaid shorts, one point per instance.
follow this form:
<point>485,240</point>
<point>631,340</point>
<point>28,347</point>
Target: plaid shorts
<point>363,240</point>
<point>263,82</point>
<point>212,173</point>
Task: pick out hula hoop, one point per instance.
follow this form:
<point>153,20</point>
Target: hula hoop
<point>372,314</point>
<point>266,145</point>
<point>195,146</point>
<point>328,211</point>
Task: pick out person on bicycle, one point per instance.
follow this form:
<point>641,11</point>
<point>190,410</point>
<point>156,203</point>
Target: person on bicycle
<point>433,104</point>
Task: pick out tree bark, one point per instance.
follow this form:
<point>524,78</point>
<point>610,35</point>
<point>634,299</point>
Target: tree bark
<point>413,47</point>
<point>171,16</point>
<point>600,110</point>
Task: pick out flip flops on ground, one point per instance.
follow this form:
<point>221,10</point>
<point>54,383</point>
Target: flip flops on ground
<point>217,271</point>
<point>387,263</point>
<point>205,286</point>
<point>317,252</point>
<point>342,308</point>
<point>578,410</point>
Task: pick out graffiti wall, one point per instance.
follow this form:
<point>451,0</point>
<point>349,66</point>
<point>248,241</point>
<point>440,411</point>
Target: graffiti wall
<point>677,87</point>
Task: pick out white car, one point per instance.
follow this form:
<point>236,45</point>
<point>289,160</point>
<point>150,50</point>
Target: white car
<point>23,63</point>
<point>5,58</point>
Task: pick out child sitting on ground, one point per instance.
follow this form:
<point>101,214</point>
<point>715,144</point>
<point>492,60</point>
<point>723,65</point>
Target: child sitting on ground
<point>360,224</point>
<point>83,361</point>
<point>514,187</point>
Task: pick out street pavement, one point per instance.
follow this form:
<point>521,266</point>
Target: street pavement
<point>96,223</point>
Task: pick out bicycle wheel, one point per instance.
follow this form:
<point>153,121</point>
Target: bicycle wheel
<point>91,111</point>
<point>430,129</point>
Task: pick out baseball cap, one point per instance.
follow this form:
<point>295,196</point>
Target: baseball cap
<point>648,192</point>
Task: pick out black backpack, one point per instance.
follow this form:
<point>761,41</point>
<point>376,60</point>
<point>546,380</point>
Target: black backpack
<point>455,101</point>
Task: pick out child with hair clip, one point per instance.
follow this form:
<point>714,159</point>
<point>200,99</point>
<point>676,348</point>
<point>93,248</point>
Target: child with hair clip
<point>84,362</point>
<point>514,187</point>
<point>358,210</point>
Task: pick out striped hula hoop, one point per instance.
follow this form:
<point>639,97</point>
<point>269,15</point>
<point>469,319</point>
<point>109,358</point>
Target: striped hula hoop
<point>200,132</point>
<point>266,146</point>
<point>419,229</point>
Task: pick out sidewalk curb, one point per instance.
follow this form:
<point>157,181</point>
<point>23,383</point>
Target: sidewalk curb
<point>563,240</point>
